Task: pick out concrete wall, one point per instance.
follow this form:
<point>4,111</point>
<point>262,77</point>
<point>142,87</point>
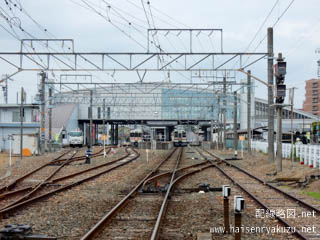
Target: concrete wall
<point>7,127</point>
<point>29,141</point>
<point>6,131</point>
<point>72,123</point>
<point>6,114</point>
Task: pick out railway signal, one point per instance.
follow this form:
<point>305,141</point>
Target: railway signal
<point>280,70</point>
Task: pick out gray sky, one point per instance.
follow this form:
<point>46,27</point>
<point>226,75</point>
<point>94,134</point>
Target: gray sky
<point>296,34</point>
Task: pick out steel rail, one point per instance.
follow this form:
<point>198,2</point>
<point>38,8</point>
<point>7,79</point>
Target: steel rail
<point>38,186</point>
<point>303,203</point>
<point>12,184</point>
<point>95,230</point>
<point>32,200</point>
<point>167,173</point>
<point>80,158</point>
<point>163,209</point>
<point>297,233</point>
<point>62,178</point>
<point>155,235</point>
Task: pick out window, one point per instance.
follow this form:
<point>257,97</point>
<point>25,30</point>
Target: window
<point>315,85</point>
<point>314,100</point>
<point>314,108</point>
<point>35,115</point>
<point>75,134</point>
<point>314,92</point>
<point>16,116</point>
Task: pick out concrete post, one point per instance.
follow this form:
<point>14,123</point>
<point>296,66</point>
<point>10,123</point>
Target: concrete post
<point>90,118</point>
<point>279,139</point>
<point>225,113</point>
<point>235,122</point>
<point>21,122</point>
<point>50,114</point>
<point>219,123</point>
<point>116,135</point>
<point>249,111</point>
<point>270,97</point>
<point>42,112</point>
<point>292,140</point>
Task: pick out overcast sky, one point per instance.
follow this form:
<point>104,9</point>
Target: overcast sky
<point>121,26</point>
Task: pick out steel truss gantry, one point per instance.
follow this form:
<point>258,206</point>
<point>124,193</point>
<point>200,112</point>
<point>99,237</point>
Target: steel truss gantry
<point>99,61</point>
<point>116,94</point>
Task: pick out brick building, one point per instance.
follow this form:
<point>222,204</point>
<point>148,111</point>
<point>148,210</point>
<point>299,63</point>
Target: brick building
<point>311,103</point>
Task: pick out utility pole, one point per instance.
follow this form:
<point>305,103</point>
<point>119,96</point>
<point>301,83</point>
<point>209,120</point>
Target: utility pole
<point>219,123</point>
<point>249,111</point>
<point>104,126</point>
<point>235,123</point>
<point>292,141</point>
<point>225,113</point>
<point>211,126</point>
<point>50,114</point>
<point>42,112</point>
<point>21,122</point>
<point>108,117</point>
<point>90,117</point>
<point>279,139</point>
<point>270,97</point>
<point>280,72</point>
<point>5,88</point>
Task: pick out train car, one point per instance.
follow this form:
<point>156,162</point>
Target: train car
<point>195,138</point>
<point>136,136</point>
<point>75,138</point>
<point>179,137</point>
<point>201,136</point>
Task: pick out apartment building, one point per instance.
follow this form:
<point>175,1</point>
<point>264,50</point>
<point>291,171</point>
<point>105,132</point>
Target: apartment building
<point>311,103</point>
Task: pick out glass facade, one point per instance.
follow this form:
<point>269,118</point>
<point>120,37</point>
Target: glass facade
<point>196,105</point>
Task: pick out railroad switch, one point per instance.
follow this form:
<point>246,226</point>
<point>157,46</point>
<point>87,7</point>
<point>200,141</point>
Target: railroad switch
<point>19,232</point>
<point>206,188</point>
<point>156,189</point>
<point>202,187</point>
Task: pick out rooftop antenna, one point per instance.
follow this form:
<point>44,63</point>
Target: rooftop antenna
<point>4,81</point>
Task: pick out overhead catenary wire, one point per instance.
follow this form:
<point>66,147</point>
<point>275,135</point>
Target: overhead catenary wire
<point>33,37</point>
<point>274,24</point>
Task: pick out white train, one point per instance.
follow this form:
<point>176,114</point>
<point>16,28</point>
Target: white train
<point>138,135</point>
<point>179,137</point>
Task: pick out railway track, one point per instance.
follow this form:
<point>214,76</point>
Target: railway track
<point>298,216</point>
<point>14,183</point>
<point>60,160</point>
<point>140,215</point>
<point>53,186</point>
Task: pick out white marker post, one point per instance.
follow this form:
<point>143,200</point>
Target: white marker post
<point>241,138</point>
<point>242,149</point>
<point>104,146</point>
<point>10,156</point>
<point>147,151</point>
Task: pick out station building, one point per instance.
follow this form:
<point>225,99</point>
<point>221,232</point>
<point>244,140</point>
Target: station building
<point>161,106</point>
